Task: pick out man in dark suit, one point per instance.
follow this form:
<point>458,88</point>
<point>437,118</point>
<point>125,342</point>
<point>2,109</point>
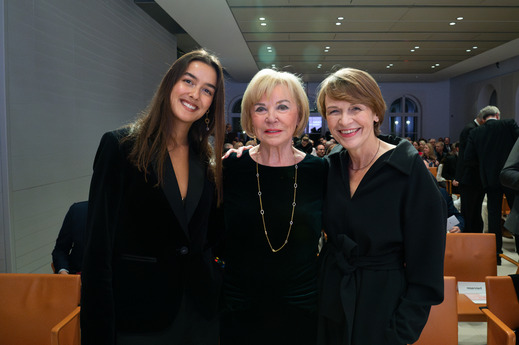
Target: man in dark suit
<point>67,255</point>
<point>510,178</point>
<point>490,145</point>
<point>468,181</point>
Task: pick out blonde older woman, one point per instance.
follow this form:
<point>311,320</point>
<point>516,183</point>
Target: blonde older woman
<point>273,200</point>
<point>385,218</point>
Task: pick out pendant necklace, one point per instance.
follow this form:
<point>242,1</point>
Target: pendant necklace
<point>262,212</point>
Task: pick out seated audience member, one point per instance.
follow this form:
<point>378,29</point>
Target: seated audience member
<point>417,147</point>
<point>320,150</point>
<point>305,145</point>
<point>67,255</point>
<point>429,156</point>
<point>440,152</point>
<point>447,142</point>
<point>453,211</point>
<point>449,166</point>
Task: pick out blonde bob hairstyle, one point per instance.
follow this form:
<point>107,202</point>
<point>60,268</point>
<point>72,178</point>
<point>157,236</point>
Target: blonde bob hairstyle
<point>263,83</point>
<point>356,87</point>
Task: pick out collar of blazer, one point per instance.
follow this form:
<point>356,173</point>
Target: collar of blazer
<point>194,189</point>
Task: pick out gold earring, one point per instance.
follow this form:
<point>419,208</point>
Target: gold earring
<point>207,121</point>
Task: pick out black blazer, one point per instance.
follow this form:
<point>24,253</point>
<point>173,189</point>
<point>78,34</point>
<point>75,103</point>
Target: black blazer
<point>144,249</point>
<point>68,251</point>
<point>467,173</point>
<point>489,145</point>
<point>510,178</point>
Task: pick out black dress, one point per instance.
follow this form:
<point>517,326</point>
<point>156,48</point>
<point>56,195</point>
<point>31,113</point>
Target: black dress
<point>382,267</point>
<point>270,298</point>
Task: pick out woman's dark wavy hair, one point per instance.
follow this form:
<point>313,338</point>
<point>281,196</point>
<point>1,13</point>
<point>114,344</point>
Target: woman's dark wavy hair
<point>151,131</point>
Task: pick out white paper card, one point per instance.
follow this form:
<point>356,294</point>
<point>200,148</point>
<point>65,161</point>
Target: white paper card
<point>474,290</point>
<point>452,221</point>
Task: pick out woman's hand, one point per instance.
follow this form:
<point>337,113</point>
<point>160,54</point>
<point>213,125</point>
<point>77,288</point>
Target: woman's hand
<point>238,151</point>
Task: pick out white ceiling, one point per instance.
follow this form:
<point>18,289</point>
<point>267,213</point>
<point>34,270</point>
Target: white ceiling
<point>373,35</point>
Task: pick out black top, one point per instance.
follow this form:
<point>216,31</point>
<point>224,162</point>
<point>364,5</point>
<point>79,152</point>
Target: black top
<point>68,251</point>
<point>255,277</point>
<point>384,256</point>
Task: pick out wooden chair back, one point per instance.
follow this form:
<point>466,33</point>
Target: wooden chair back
<point>503,311</point>
<point>442,325</point>
<point>32,304</point>
<point>470,257</point>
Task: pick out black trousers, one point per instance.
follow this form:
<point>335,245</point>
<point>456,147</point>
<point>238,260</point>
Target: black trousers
<point>189,328</point>
<point>471,200</point>
<point>494,206</point>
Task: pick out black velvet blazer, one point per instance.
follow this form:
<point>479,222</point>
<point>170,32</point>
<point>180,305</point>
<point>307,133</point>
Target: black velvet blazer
<point>144,248</point>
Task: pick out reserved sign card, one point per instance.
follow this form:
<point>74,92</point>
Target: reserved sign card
<point>474,290</point>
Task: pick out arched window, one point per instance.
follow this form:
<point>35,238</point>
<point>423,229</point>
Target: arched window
<point>404,117</point>
<point>493,99</point>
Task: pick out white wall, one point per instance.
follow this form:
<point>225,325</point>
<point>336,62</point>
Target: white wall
<point>74,69</point>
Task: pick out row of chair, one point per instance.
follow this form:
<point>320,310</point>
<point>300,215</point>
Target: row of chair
<point>472,258</point>
<point>39,309</point>
<point>33,304</point>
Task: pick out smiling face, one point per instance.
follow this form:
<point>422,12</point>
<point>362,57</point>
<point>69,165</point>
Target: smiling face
<point>275,117</point>
<point>350,124</point>
<point>193,93</point>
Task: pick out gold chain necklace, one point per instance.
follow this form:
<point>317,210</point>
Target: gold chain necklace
<point>371,161</point>
<point>262,212</point>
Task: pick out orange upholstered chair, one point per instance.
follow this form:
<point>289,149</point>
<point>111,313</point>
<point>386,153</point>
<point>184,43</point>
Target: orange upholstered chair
<point>502,312</point>
<point>33,306</point>
<point>442,325</point>
<point>470,258</point>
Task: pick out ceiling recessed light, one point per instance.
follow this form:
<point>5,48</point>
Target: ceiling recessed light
<point>452,23</point>
<point>459,18</point>
<point>468,50</point>
<point>326,50</point>
<point>326,47</point>
<point>388,66</point>
<point>417,47</point>
<point>433,66</point>
<point>340,18</point>
<point>262,18</point>
<point>391,64</point>
<point>437,64</point>
<point>412,50</point>
<point>474,47</point>
<point>263,24</point>
<point>338,23</point>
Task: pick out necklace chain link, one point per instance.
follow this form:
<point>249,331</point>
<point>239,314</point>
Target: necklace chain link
<point>367,165</point>
<point>262,211</point>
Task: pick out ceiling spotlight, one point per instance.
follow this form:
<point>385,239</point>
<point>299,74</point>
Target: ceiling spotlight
<point>338,23</point>
<point>468,50</point>
<point>326,47</point>
<point>326,50</point>
<point>388,66</point>
<point>391,64</point>
<point>340,18</point>
<point>437,64</point>
<point>474,47</point>
<point>263,24</point>
<point>452,23</point>
<point>262,18</point>
<point>459,18</point>
<point>417,47</point>
<point>412,50</point>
